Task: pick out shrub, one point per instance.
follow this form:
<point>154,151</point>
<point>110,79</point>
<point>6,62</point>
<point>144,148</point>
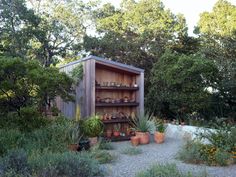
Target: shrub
<point>92,126</point>
<point>67,164</point>
<point>53,138</point>
<point>15,164</point>
<point>102,156</point>
<point>223,158</point>
<point>162,170</point>
<point>30,119</point>
<point>10,139</point>
<point>190,153</point>
<point>132,151</point>
<point>105,145</point>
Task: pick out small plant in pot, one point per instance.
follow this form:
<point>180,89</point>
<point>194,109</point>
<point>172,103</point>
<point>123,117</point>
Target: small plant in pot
<point>142,126</point>
<point>159,135</point>
<point>92,128</point>
<point>74,137</point>
<point>116,131</point>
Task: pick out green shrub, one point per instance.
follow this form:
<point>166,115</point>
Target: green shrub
<point>223,158</point>
<point>92,126</point>
<point>30,119</point>
<point>162,170</point>
<point>53,138</point>
<point>15,164</point>
<point>190,153</point>
<point>67,164</point>
<point>102,156</point>
<point>131,151</point>
<point>105,145</point>
<point>10,139</point>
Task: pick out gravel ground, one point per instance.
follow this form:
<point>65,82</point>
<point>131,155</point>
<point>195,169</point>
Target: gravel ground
<point>128,166</point>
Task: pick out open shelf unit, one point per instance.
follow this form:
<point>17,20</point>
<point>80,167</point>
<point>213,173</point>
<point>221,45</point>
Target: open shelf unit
<point>111,90</point>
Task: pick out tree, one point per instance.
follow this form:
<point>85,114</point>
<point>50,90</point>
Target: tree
<point>217,31</point>
<point>137,33</point>
<point>24,84</point>
<point>18,27</point>
<point>179,83</point>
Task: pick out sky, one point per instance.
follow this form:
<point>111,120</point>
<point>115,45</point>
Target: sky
<point>190,8</point>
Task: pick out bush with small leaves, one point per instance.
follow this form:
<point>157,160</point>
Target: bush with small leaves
<point>67,164</point>
<point>15,163</point>
<point>102,156</point>
<point>131,151</point>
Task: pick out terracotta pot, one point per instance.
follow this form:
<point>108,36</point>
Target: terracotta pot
<point>93,141</point>
<point>73,147</point>
<point>108,133</point>
<point>159,137</point>
<point>116,133</point>
<point>134,140</point>
<point>144,137</point>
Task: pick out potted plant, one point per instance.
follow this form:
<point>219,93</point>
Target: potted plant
<point>74,137</point>
<point>92,128</point>
<point>134,140</point>
<point>108,133</point>
<point>116,131</point>
<point>159,135</point>
<point>142,126</point>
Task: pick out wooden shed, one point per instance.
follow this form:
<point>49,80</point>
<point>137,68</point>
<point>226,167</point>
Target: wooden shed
<point>112,90</point>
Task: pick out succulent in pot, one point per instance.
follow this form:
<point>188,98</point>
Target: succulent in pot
<point>116,131</point>
<point>92,128</point>
<point>134,140</point>
<point>75,136</point>
<point>159,135</point>
<point>142,126</point>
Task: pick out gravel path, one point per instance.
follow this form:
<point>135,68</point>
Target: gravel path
<point>128,166</point>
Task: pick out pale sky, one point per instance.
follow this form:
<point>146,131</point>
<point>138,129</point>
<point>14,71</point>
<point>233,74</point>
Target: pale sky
<point>190,8</point>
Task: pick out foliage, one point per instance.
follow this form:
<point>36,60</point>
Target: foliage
<point>15,163</point>
<point>105,145</point>
<point>65,164</point>
<point>162,170</point>
<point>27,83</point>
<point>196,152</point>
<point>117,127</point>
<point>92,126</point>
<point>181,81</point>
<point>102,156</point>
<point>160,126</point>
<point>10,139</point>
<point>137,33</point>
<point>223,137</point>
<point>75,134</point>
<point>131,151</point>
<point>141,123</point>
<point>216,30</point>
<point>77,73</point>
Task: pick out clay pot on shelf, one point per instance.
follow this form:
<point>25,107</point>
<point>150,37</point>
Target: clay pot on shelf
<point>126,99</point>
<point>144,137</point>
<point>159,137</point>
<point>108,133</point>
<point>98,99</point>
<point>134,140</point>
<point>116,133</point>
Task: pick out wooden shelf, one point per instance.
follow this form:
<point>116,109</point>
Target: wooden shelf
<point>115,104</point>
<point>116,88</point>
<point>117,120</point>
<point>119,138</point>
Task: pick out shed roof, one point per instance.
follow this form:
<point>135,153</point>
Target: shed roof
<point>105,61</point>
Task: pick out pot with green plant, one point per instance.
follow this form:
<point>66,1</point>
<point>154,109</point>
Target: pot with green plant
<point>142,126</point>
<point>159,135</point>
<point>75,136</point>
<point>116,130</point>
<point>92,128</point>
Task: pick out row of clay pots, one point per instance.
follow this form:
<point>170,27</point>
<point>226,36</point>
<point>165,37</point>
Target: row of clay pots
<point>144,138</point>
